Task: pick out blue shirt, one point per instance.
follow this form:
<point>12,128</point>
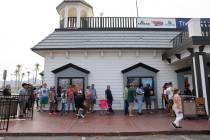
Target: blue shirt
<point>93,93</point>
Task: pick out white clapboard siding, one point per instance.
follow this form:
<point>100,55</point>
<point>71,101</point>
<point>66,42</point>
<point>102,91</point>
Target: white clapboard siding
<point>106,70</point>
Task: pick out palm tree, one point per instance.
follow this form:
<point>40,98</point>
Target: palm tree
<point>22,75</point>
<point>36,71</point>
<point>28,72</point>
<point>18,74</point>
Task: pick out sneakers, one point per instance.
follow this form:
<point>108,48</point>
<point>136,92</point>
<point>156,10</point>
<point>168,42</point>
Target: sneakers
<point>50,113</point>
<point>175,126</point>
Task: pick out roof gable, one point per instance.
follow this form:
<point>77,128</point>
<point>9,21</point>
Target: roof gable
<point>70,65</point>
<point>140,65</point>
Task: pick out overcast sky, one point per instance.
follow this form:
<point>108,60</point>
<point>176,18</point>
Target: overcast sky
<point>26,22</point>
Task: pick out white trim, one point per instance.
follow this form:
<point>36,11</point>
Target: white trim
<point>203,82</point>
<point>66,14</point>
<point>78,16</point>
<point>195,75</point>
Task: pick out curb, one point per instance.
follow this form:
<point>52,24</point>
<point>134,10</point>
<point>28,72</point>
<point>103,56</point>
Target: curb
<point>203,132</point>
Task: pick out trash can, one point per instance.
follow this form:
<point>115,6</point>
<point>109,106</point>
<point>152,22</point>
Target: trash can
<point>189,106</point>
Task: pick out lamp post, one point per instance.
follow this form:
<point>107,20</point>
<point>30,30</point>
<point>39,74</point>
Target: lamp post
<point>4,77</point>
<point>137,8</point>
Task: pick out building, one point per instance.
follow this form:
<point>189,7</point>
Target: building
<point>119,50</point>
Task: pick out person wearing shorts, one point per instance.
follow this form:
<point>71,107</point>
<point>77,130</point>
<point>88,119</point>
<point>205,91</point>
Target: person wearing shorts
<point>43,96</point>
<point>131,99</point>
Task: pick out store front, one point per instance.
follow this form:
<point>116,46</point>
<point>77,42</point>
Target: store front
<point>184,77</point>
<point>70,74</point>
<point>142,74</point>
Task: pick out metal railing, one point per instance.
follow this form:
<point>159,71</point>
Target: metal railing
<point>184,35</point>
<point>101,22</point>
<point>205,28</point>
<point>108,22</point>
<point>9,108</point>
<point>180,38</point>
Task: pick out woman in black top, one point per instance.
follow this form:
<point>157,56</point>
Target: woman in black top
<point>109,97</point>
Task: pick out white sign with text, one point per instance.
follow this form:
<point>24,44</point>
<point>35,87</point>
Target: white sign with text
<point>156,23</point>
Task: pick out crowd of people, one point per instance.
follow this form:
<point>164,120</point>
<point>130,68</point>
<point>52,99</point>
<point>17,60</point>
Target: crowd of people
<point>74,99</point>
<point>71,98</point>
<point>133,94</point>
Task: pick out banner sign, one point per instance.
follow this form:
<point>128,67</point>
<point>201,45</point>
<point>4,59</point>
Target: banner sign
<point>181,22</point>
<point>156,23</point>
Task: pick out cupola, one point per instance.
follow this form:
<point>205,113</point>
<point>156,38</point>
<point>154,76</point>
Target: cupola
<point>71,11</point>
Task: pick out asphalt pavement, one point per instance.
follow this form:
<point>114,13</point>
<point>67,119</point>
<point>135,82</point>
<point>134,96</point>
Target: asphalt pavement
<point>148,137</point>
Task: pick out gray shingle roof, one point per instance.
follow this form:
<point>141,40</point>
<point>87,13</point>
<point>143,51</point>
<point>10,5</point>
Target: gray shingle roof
<point>59,40</point>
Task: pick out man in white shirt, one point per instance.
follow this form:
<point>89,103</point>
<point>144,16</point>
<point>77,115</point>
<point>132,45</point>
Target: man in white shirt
<point>43,96</point>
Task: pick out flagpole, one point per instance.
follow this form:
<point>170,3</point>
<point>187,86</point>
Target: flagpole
<point>137,9</point>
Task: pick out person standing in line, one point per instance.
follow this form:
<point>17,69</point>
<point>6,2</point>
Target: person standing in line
<point>70,98</point>
<point>63,102</point>
<point>147,94</point>
<point>131,99</point>
<point>187,90</point>
<point>165,96</point>
<point>109,97</point>
<point>44,91</point>
<point>7,90</point>
<point>88,99</point>
<point>23,92</point>
<point>52,96</point>
<point>139,98</point>
<point>125,95</point>
<point>177,108</point>
<point>37,93</point>
<point>31,97</point>
<point>79,104</point>
<point>93,97</point>
<point>169,92</point>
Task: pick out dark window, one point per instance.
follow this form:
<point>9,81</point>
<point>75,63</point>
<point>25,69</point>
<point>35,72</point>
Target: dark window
<point>65,82</point>
<point>141,80</point>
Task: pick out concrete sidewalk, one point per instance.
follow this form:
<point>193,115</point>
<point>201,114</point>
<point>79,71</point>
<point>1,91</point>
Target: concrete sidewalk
<point>98,124</point>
